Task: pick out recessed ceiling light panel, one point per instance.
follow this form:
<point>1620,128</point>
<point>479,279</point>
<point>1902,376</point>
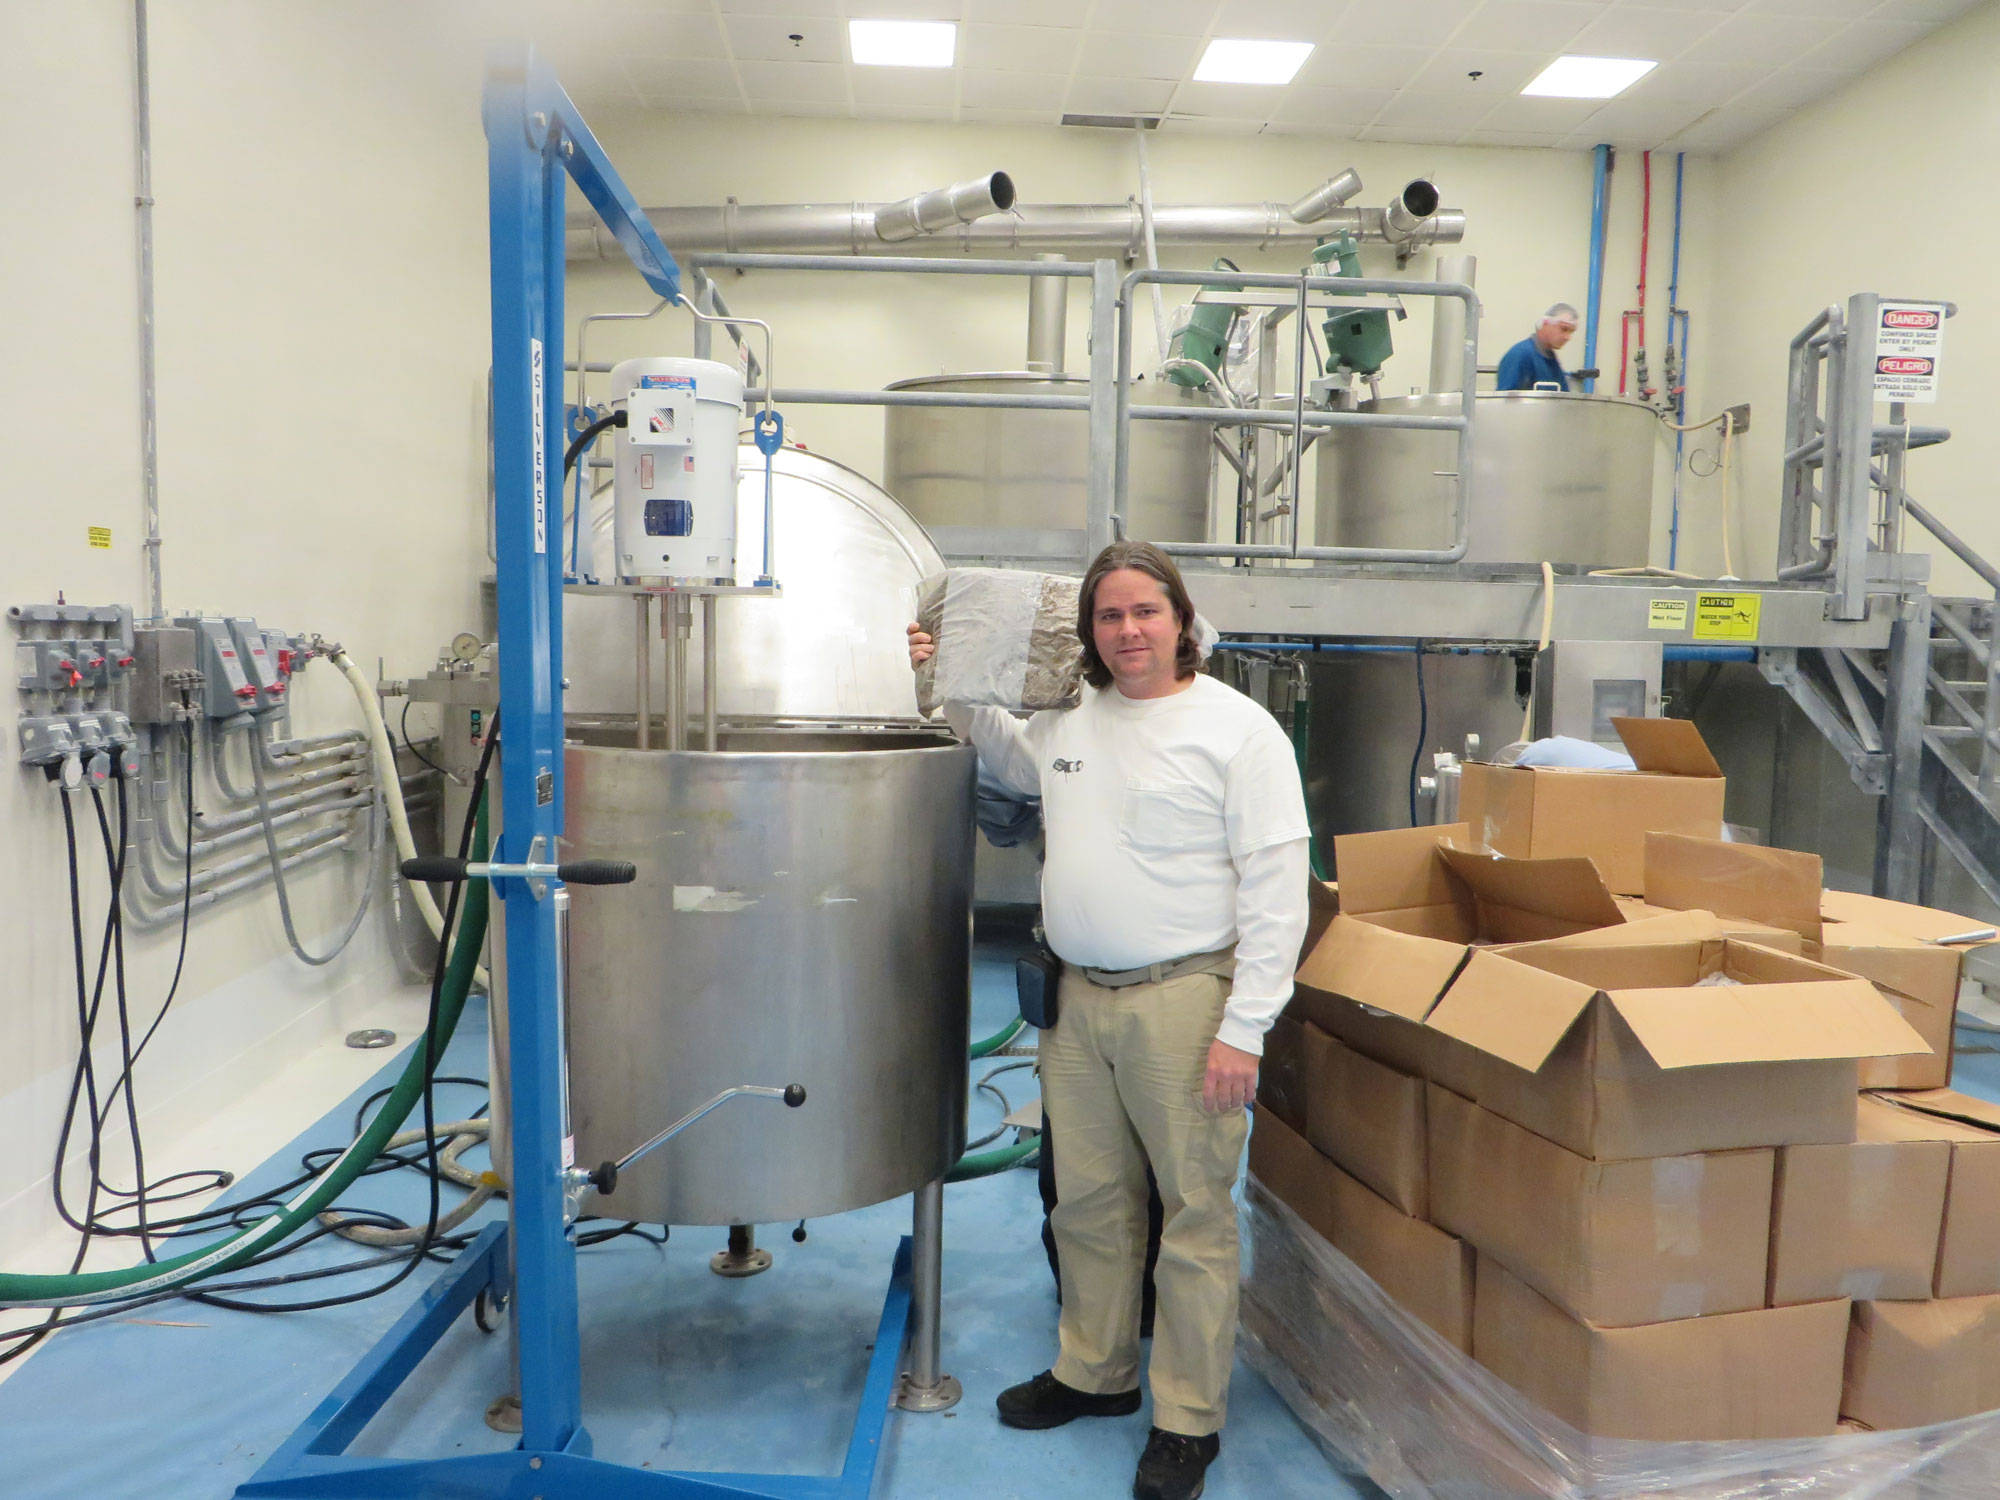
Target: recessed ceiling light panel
<point>1228,61</point>
<point>1588,77</point>
<point>903,44</point>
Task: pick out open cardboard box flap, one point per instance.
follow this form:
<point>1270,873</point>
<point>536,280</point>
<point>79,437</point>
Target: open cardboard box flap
<point>1398,870</point>
<point>1435,882</point>
<point>1518,1005</point>
<point>1666,747</point>
<point>1777,887</point>
<point>1391,971</point>
<point>1923,922</point>
<point>1509,1010</point>
<point>1524,899</point>
<point>1946,1104</point>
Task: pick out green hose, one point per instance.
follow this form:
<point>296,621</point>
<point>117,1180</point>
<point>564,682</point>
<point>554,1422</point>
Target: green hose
<point>986,1163</point>
<point>133,1281</point>
<point>999,1039</point>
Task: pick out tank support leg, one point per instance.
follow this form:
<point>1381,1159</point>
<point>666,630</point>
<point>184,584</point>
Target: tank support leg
<point>924,1387</point>
<point>742,1258</point>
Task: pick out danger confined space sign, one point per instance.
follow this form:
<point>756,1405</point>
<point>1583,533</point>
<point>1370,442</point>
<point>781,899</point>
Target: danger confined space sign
<point>1908,340</point>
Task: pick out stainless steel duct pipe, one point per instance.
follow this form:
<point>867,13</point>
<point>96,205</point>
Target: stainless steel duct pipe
<point>1327,196</point>
<point>1448,325</point>
<point>941,208</point>
<point>1048,311</point>
<point>1095,228</point>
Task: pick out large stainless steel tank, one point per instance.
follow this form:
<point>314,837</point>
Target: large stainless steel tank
<point>802,914</point>
<point>994,466</point>
<point>849,559</point>
<point>1562,478</point>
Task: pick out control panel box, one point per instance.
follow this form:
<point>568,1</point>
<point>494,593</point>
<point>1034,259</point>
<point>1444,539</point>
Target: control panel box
<point>164,666</point>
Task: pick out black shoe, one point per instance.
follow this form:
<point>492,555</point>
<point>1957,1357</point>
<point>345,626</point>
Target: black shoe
<point>1046,1402</point>
<point>1173,1465</point>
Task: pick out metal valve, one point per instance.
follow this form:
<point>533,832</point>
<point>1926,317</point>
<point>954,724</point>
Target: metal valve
<point>604,1177</point>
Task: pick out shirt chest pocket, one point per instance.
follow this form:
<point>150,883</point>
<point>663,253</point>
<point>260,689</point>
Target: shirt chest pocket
<point>1161,817</point>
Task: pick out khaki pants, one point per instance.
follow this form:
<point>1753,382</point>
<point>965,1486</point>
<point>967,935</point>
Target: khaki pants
<point>1121,1082</point>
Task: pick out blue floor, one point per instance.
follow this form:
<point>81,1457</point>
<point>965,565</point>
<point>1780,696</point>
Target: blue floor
<point>682,1369</point>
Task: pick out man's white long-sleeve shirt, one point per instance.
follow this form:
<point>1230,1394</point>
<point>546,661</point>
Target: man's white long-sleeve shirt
<point>1175,826</point>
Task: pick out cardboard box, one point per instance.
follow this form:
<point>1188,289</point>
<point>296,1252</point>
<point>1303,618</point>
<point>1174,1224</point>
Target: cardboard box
<point>1368,1119</point>
<point>1968,1263</point>
<point>1416,1264</point>
<point>1783,939</point>
<point>1913,1363</point>
<point>1537,812</point>
<point>1612,1243</point>
<point>1860,1220</point>
<point>1281,1078</point>
<point>1778,888</point>
<point>1412,903</point>
<point>1617,1051</point>
<point>1924,922</point>
<point>1919,978</point>
<point>1771,1373</point>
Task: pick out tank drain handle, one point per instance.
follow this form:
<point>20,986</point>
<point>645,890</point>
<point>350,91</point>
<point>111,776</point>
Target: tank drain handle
<point>443,867</point>
<point>605,1177</point>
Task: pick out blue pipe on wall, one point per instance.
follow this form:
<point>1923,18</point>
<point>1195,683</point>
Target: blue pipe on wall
<point>1676,317</point>
<point>1599,196</point>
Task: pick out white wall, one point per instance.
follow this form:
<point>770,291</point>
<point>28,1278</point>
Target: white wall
<point>1528,213</point>
<point>322,317</point>
<point>1886,187</point>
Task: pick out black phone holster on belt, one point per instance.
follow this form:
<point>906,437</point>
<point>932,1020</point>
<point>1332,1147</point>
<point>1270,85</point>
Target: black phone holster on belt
<point>1036,976</point>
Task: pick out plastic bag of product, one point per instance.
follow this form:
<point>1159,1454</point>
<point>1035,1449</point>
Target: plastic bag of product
<point>1388,1397</point>
<point>1004,637</point>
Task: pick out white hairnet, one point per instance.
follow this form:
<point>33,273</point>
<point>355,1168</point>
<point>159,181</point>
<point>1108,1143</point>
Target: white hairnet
<point>1562,312</point>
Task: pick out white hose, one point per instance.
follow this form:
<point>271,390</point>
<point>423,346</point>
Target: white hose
<point>392,792</point>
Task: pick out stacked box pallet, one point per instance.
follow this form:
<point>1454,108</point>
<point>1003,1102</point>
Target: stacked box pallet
<point>1616,1150</point>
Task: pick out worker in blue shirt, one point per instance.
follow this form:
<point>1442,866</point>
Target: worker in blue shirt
<point>1532,362</point>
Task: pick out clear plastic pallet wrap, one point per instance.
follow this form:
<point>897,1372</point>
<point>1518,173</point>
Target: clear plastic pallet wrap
<point>1391,1399</point>
<point>1005,638</point>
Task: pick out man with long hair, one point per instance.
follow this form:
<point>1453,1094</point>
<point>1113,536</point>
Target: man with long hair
<point>1175,892</point>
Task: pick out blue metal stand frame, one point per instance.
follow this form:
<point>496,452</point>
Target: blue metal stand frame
<point>535,137</point>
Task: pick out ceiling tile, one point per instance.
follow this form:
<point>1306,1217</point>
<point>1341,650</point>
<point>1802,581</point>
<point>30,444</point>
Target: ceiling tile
<point>1500,73</point>
<point>1521,113</point>
<point>973,116</point>
<point>1025,12</point>
<point>1840,10</point>
<point>1019,49</point>
<point>806,82</point>
<point>1279,20</point>
<point>672,36</point>
<point>1337,65</point>
<point>803,109</point>
<point>1117,96</point>
<point>1435,110</point>
<point>1790,88</point>
<point>940,114</point>
<point>1622,120</point>
<point>1726,128</point>
<point>1864,44</point>
<point>905,10</point>
<point>1109,54</point>
<point>1178,124</point>
<point>769,39</point>
<point>1730,5</point>
<point>1753,39</point>
<point>1351,108</point>
<point>1422,23</point>
<point>1412,135</point>
<point>1696,83</point>
<point>597,80</point>
<point>1042,91</point>
<point>877,85</point>
<point>1932,12</point>
<point>1485,137</point>
<point>1162,17</point>
<point>1232,101</point>
<point>1526,25</point>
<point>1640,31</point>
<point>778,7</point>
<point>660,78</point>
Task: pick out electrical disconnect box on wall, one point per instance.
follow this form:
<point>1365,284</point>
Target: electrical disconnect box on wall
<point>226,691</point>
<point>166,682</point>
<point>71,664</point>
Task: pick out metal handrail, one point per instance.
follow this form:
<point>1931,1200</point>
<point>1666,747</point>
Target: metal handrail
<point>1954,543</point>
<point>1298,419</point>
